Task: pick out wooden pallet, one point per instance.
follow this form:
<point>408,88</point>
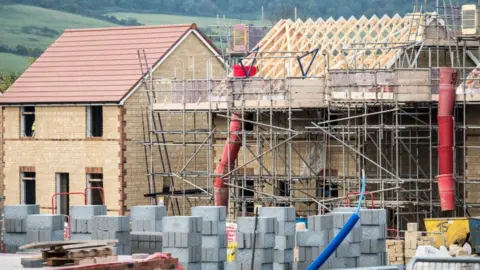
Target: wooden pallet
<point>61,253</point>
<point>80,261</point>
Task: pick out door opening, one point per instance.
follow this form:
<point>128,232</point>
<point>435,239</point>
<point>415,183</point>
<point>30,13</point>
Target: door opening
<point>63,201</point>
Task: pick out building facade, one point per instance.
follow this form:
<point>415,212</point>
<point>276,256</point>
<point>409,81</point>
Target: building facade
<point>73,119</point>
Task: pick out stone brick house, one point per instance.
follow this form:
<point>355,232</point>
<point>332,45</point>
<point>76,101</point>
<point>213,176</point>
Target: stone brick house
<point>72,120</point>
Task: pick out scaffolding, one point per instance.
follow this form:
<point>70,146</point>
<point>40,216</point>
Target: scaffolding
<point>305,139</point>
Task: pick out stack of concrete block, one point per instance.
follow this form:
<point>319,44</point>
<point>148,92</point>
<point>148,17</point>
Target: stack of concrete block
<point>146,242</point>
<point>214,236</point>
<point>313,241</point>
<point>45,227</point>
<point>182,237</point>
<point>264,238</point>
<point>285,228</point>
<point>412,237</point>
<point>348,252</point>
<point>111,228</point>
<point>147,218</point>
<point>373,246</point>
<point>16,225</point>
<point>395,251</point>
<point>146,233</point>
<point>374,235</point>
<point>81,221</point>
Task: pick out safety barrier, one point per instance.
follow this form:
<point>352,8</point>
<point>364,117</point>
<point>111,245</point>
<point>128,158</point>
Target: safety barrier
<point>447,263</point>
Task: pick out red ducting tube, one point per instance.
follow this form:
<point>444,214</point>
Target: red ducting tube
<point>446,103</point>
<point>230,153</point>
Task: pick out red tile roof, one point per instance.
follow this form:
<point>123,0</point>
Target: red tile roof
<point>93,65</point>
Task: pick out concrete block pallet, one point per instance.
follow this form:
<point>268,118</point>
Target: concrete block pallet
<point>113,227</point>
<point>87,211</point>
<point>41,228</point>
<point>285,228</point>
<point>147,218</point>
<point>16,225</point>
<point>364,246</point>
<point>214,236</point>
<point>81,221</point>
<point>313,241</point>
<point>146,235</point>
<point>182,237</point>
<point>146,242</point>
<point>264,256</point>
<point>372,234</point>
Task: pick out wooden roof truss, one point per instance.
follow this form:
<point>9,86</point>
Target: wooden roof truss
<point>342,44</point>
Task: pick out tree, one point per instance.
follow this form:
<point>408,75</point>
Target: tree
<point>6,80</point>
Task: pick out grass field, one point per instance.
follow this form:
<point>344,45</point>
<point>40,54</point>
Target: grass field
<point>14,17</point>
<point>13,63</point>
<point>150,19</point>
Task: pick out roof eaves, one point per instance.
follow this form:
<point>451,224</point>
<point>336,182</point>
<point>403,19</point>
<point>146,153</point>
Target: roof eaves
<point>46,104</point>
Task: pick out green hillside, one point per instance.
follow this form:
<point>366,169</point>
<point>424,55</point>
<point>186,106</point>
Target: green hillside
<point>35,27</point>
<point>21,25</point>
<point>10,62</point>
<point>150,19</point>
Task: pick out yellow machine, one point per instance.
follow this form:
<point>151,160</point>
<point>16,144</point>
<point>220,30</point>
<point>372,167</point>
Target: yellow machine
<point>447,231</point>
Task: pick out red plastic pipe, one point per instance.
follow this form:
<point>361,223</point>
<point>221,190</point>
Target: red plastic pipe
<point>446,188</point>
<point>446,103</point>
<point>230,153</point>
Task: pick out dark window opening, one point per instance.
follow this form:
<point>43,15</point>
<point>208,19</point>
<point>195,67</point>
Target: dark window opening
<point>248,126</point>
<point>95,184</point>
<point>330,190</point>
<point>283,190</point>
<point>95,121</point>
<point>29,192</point>
<point>28,121</point>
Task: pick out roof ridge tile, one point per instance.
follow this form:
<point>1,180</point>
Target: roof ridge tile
<point>190,25</point>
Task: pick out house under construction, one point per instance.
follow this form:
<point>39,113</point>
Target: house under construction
<point>314,104</point>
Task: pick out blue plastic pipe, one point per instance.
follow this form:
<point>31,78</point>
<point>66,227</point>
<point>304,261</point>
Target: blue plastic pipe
<point>332,246</point>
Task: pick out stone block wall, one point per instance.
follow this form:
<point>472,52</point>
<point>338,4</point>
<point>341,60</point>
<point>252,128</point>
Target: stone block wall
<point>188,61</point>
<point>61,145</point>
